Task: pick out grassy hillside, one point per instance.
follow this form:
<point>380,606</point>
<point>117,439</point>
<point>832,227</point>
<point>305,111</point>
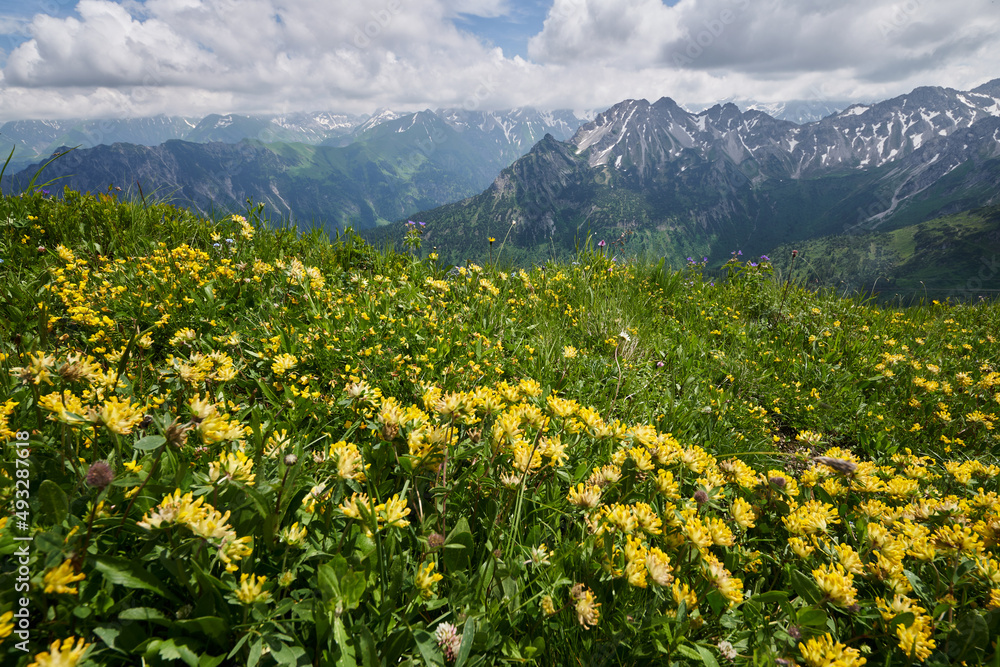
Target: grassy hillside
<point>235,445</point>
<point>955,257</point>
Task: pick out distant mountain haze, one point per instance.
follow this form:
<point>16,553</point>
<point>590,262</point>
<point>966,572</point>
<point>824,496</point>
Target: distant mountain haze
<point>324,169</point>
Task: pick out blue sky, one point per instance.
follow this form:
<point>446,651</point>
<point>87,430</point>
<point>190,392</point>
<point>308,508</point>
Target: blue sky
<point>112,58</point>
<point>510,32</point>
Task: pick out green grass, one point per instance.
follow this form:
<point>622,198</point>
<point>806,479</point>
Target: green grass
<point>950,257</point>
<point>353,423</point>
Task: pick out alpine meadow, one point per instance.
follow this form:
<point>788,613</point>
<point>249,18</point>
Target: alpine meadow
<point>233,443</point>
<point>495,333</point>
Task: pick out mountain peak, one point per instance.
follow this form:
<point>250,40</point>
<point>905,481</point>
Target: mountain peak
<point>668,103</point>
<point>991,88</point>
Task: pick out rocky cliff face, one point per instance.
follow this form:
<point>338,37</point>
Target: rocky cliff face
<point>642,137</point>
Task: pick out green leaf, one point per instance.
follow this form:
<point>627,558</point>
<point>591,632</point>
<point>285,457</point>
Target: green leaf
<point>468,636</point>
<point>770,596</point>
<point>259,502</point>
<point>918,585</point>
<point>428,648</point>
<point>811,617</point>
<point>149,443</point>
<point>212,627</point>
<point>346,650</point>
<point>905,619</point>
<point>969,640</point>
<point>266,389</point>
<point>284,654</point>
<point>460,547</point>
<point>131,575</point>
<point>699,653</point>
<point>174,649</point>
<point>144,614</point>
<point>352,587</point>
<point>255,651</point>
<point>706,656</point>
<point>717,601</point>
<point>366,642</point>
<point>341,585</point>
<point>806,587</point>
<point>239,645</point>
<point>329,584</point>
<point>108,635</point>
<point>53,501</point>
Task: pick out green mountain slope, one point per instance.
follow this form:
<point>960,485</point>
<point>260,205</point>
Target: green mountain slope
<point>956,257</point>
<point>704,203</point>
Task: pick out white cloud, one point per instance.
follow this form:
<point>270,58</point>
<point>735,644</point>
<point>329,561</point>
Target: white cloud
<point>191,57</point>
<point>627,33</point>
<point>486,8</point>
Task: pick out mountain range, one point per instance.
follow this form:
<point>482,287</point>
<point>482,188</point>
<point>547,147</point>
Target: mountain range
<point>647,178</point>
<point>392,165</point>
<point>673,183</point>
<point>34,140</point>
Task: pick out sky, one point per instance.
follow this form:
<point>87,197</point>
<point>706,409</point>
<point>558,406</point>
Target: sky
<point>134,58</point>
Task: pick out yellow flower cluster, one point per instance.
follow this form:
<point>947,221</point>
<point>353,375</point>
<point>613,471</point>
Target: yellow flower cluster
<point>6,410</point>
<point>391,513</point>
<point>348,460</point>
<point>251,589</point>
<point>425,579</point>
<point>204,521</point>
<point>212,425</point>
<point>236,466</point>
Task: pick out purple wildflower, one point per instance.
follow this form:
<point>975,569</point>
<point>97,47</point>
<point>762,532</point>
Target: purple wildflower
<point>99,475</point>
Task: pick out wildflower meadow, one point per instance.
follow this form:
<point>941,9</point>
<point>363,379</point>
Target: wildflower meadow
<point>230,443</point>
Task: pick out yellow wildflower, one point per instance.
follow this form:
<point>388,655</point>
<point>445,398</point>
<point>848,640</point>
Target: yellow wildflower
<point>915,640</point>
<point>283,363</point>
<point>837,584</point>
<point>118,415</point>
<point>293,535</point>
<point>425,579</point>
<point>824,652</point>
<point>586,497</point>
<point>64,654</point>
<point>743,513</point>
<point>251,589</point>
<point>232,466</point>
<point>57,579</point>
<point>393,512</point>
<point>587,612</point>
